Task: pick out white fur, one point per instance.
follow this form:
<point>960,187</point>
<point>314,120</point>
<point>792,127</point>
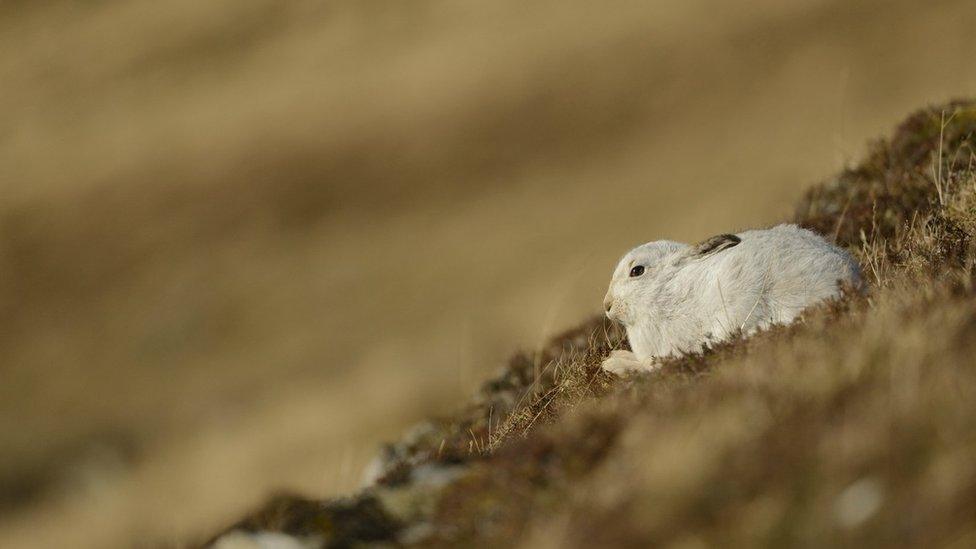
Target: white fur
<point>690,297</point>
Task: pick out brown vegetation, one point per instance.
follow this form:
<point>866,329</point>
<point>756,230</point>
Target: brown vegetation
<point>854,426</point>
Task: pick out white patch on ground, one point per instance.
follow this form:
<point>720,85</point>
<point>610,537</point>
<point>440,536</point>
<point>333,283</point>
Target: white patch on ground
<point>239,539</point>
<point>858,502</point>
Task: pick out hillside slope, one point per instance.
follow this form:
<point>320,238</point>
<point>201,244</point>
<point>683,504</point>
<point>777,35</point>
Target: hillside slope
<point>856,425</point>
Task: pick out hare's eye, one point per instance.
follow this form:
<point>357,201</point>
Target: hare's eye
<point>637,271</point>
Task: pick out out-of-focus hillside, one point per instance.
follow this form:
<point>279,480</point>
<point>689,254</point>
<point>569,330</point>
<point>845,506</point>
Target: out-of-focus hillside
<point>242,242</point>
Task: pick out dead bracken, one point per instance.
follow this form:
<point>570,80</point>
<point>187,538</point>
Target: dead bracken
<point>855,426</point>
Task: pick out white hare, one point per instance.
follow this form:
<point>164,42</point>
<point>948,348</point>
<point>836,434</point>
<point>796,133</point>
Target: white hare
<point>675,299</point>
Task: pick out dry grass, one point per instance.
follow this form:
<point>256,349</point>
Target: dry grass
<point>854,426</point>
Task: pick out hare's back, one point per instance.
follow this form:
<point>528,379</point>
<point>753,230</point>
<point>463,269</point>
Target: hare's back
<point>796,261</point>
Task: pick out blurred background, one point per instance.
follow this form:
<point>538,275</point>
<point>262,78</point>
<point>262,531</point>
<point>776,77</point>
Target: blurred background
<point>244,241</point>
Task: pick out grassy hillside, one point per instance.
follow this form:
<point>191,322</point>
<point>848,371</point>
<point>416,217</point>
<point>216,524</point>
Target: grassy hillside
<point>242,242</point>
<point>854,426</point>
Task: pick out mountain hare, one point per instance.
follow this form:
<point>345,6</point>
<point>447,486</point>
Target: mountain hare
<point>675,299</point>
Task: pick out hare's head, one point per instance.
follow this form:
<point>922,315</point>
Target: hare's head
<point>644,274</point>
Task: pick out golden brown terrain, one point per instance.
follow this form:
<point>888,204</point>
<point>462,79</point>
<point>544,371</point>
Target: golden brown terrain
<point>854,426</point>
<point>241,243</point>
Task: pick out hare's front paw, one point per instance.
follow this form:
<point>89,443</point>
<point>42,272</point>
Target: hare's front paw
<point>625,362</point>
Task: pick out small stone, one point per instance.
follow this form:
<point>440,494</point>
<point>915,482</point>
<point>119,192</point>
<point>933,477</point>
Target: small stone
<point>858,502</point>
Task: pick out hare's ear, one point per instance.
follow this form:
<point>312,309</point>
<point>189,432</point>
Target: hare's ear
<point>713,245</point>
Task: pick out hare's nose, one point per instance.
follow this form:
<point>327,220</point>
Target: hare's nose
<point>607,303</point>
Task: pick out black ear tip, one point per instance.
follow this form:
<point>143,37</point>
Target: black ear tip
<point>724,239</point>
<point>717,243</point>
